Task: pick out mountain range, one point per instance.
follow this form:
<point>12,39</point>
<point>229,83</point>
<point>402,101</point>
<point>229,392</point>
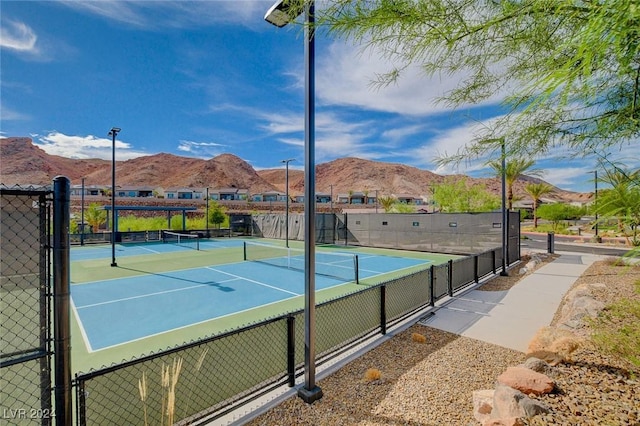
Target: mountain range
<point>23,163</point>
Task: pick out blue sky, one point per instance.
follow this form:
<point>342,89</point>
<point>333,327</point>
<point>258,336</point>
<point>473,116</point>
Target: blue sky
<point>203,78</point>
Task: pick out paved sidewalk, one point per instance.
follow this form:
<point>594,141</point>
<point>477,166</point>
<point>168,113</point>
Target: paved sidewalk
<point>511,318</point>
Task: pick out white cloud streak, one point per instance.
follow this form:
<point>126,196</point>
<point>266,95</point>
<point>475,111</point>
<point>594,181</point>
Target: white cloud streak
<point>345,74</point>
<point>85,147</point>
<point>153,15</point>
<point>18,36</point>
<point>200,149</point>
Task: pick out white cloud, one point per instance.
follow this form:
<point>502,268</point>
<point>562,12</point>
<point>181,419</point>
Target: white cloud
<point>200,149</point>
<point>177,14</point>
<point>344,76</point>
<point>569,177</point>
<point>18,36</point>
<point>84,147</point>
<point>8,114</point>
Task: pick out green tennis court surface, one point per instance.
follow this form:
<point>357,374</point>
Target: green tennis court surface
<point>161,295</point>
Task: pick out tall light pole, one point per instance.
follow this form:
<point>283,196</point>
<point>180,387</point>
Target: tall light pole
<point>286,214</point>
<point>280,14</point>
<point>206,212</point>
<point>82,215</point>
<point>376,201</point>
<point>505,212</point>
<point>113,133</point>
<point>331,198</point>
<point>595,199</point>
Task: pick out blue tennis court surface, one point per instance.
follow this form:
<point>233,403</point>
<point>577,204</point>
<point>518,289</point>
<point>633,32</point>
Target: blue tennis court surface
<point>117,311</point>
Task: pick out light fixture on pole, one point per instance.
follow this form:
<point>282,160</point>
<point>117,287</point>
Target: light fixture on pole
<point>376,201</point>
<point>206,213</point>
<point>331,198</point>
<point>280,14</point>
<point>113,133</point>
<point>82,215</point>
<point>595,201</point>
<point>286,212</point>
<point>505,212</point>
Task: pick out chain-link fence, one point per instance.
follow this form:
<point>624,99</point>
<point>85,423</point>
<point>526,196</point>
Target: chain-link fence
<point>206,379</point>
<point>187,384</point>
<point>25,300</point>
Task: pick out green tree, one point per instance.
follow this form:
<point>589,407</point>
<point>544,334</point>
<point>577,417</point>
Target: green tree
<point>217,213</point>
<point>622,202</point>
<point>571,67</point>
<point>95,216</point>
<point>537,191</point>
<point>399,207</point>
<point>556,213</point>
<point>455,195</point>
<point>514,168</point>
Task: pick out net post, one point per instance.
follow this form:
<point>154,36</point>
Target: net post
<point>244,250</point>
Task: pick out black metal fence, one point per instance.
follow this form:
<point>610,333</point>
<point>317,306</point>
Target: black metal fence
<point>195,381</point>
<point>25,302</point>
<point>206,379</point>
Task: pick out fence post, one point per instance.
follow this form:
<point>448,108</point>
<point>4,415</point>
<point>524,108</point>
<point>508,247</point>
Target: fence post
<point>476,278</point>
<point>61,280</point>
<point>432,285</point>
<point>493,261</point>
<point>383,309</point>
<point>291,350</point>
<point>450,278</point>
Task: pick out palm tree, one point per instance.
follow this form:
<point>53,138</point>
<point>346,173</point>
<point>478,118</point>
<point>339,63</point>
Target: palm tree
<point>513,170</point>
<point>536,191</point>
<point>386,203</point>
<point>95,216</point>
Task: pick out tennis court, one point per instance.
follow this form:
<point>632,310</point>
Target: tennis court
<point>162,289</point>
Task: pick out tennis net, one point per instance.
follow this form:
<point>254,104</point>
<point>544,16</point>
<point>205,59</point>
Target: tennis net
<point>343,266</point>
<point>186,240</point>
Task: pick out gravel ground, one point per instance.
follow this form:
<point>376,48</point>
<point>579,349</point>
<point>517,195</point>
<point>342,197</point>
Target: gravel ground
<point>431,383</point>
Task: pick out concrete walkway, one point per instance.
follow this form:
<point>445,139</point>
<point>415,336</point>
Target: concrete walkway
<point>511,318</point>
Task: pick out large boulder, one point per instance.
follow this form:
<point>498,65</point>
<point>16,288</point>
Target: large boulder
<point>526,381</point>
<point>509,403</point>
<point>579,304</point>
<point>482,404</point>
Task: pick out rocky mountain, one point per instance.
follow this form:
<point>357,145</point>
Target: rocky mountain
<point>21,162</point>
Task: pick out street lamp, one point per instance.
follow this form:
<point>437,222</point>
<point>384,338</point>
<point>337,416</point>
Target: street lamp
<point>505,213</point>
<point>82,215</point>
<point>280,14</point>
<point>595,200</point>
<point>113,133</point>
<point>286,214</point>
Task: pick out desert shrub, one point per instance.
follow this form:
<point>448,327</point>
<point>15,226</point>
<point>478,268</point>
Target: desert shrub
<point>617,329</point>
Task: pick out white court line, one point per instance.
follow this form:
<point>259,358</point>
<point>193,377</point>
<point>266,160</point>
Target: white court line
<point>83,333</point>
<point>151,294</point>
<point>152,251</point>
<point>255,282</point>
